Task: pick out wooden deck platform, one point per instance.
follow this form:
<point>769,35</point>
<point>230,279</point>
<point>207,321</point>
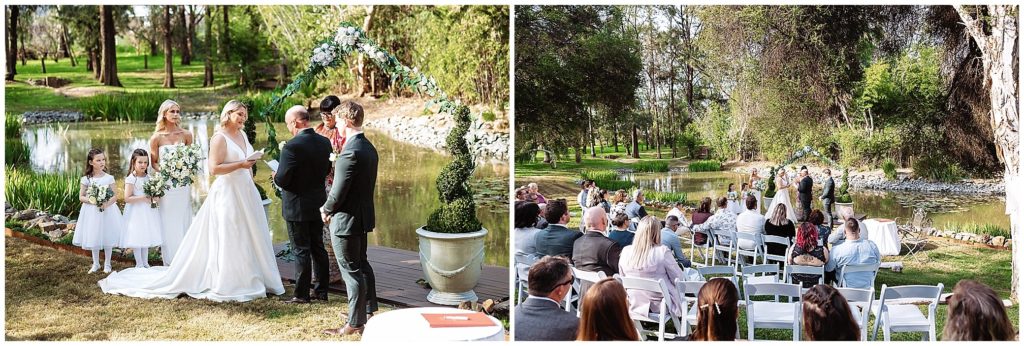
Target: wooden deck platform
<point>396,272</point>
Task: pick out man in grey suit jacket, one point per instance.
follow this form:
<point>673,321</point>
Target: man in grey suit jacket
<point>350,214</point>
<point>539,318</point>
<point>828,196</point>
<point>556,239</point>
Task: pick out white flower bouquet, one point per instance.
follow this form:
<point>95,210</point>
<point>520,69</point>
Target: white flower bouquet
<point>99,195</point>
<point>760,185</point>
<point>154,188</point>
<point>732,196</point>
<point>181,164</point>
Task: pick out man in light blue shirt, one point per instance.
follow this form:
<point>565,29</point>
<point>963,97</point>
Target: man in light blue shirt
<point>671,240</point>
<point>854,251</point>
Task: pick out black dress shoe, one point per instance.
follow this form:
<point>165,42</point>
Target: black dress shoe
<point>297,300</point>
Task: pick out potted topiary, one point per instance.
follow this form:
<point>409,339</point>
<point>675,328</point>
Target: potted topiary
<point>452,243</point>
<point>843,198</point>
<point>769,193</point>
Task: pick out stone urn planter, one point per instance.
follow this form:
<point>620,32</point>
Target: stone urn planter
<point>766,202</point>
<point>266,210</point>
<point>840,205</point>
<point>452,263</point>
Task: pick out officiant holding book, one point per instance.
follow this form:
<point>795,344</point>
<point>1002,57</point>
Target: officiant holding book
<point>304,164</point>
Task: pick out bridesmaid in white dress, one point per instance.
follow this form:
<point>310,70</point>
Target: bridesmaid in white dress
<point>98,230</point>
<point>754,179</point>
<point>176,206</point>
<point>226,254</point>
<point>142,221</point>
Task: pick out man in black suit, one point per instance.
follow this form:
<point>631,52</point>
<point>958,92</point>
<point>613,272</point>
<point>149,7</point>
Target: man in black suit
<point>350,215</point>
<point>539,318</point>
<point>828,196</point>
<point>303,166</point>
<point>556,239</point>
<point>804,193</point>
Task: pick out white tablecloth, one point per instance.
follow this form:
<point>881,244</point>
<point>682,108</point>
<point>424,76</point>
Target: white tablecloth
<point>409,325</point>
<point>883,233</point>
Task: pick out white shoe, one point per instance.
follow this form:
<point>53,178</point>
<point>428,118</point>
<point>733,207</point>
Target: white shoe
<point>94,268</point>
<point>107,269</point>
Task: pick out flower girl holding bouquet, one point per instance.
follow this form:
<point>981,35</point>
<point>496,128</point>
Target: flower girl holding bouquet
<point>142,218</point>
<point>100,223</point>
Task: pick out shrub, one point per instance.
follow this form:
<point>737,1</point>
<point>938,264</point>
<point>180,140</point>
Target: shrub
<point>936,168</point>
<point>140,106</point>
<point>844,188</point>
<point>488,116</point>
<point>705,166</point>
<point>651,166</point>
<point>889,167</point>
<point>457,213</point>
<point>16,153</point>
<point>665,197</point>
<point>769,191</point>
<point>606,179</point>
<point>56,193</point>
<point>12,126</point>
<point>989,229</point>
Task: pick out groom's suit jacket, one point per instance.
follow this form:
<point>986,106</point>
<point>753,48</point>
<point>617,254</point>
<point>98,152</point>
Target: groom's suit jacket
<point>350,201</point>
<point>304,164</point>
<point>805,187</point>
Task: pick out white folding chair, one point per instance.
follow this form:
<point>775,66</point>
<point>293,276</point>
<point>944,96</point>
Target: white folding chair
<point>799,269</point>
<point>858,268</point>
<point>684,288</point>
<point>773,314</point>
<point>725,241</point>
<point>663,316</point>
<point>860,301</point>
<point>703,250</point>
<point>758,248</point>
<point>584,279</point>
<point>891,316</point>
<point>774,239</point>
<point>727,272</point>
<point>523,264</point>
<point>760,274</point>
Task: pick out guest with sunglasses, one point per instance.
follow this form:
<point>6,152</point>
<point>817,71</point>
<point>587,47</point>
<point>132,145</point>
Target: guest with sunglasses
<point>539,317</point>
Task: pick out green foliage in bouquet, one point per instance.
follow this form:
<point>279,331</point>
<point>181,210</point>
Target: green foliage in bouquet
<point>457,213</point>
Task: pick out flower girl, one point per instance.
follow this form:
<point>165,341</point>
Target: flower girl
<point>142,219</point>
<point>100,223</point>
<point>734,198</point>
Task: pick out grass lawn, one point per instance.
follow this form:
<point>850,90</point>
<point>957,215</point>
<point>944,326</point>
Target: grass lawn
<point>567,166</point>
<point>49,296</point>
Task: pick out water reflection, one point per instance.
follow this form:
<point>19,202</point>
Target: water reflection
<point>944,209</point>
<point>405,195</point>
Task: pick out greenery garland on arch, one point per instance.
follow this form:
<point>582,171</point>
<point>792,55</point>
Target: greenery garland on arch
<point>457,213</point>
<point>842,193</point>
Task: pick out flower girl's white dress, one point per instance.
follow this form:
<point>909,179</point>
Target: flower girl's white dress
<point>142,222</point>
<point>95,230</point>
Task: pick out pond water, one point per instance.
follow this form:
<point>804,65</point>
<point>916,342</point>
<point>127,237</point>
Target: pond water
<point>405,194</point>
<point>945,209</point>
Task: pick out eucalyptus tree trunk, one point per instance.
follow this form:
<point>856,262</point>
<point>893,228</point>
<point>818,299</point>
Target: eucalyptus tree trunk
<point>208,65</point>
<point>12,43</point>
<point>108,70</point>
<point>168,53</point>
<point>999,61</point>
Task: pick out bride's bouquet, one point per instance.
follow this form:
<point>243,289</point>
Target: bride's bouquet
<point>181,164</point>
<point>760,185</point>
<point>99,194</point>
<point>154,188</point>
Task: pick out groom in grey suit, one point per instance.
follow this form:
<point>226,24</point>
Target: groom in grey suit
<point>350,214</point>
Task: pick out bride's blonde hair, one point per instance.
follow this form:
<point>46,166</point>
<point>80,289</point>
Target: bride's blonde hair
<point>161,122</point>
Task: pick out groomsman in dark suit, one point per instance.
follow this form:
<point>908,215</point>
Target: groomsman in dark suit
<point>303,166</point>
<point>828,196</point>
<point>349,213</point>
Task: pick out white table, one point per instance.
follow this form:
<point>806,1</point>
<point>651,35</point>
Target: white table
<point>409,325</point>
<point>883,233</point>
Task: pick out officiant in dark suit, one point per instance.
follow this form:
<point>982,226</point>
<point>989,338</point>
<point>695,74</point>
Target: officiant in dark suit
<point>804,193</point>
<point>349,212</point>
<point>304,164</point>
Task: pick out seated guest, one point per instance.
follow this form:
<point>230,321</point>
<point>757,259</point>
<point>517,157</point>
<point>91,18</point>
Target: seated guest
<point>671,240</point>
<point>976,313</point>
<point>677,211</point>
<point>723,220</point>
<point>594,252</point>
<point>700,216</point>
<point>817,218</point>
<point>749,221</point>
<point>854,251</point>
<point>602,201</point>
<point>520,194</point>
<point>604,314</point>
<point>539,317</point>
<point>807,252</point>
<point>827,316</point>
<point>648,259</point>
<point>526,232</point>
<point>845,214</point>
<point>535,190</point>
<point>779,225</point>
<point>635,209</point>
<point>556,239</point>
<point>620,231</point>
<point>717,311</point>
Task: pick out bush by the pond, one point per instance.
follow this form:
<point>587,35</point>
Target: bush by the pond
<point>16,153</point>
<point>488,116</point>
<point>651,166</point>
<point>56,193</point>
<point>889,167</point>
<point>137,106</point>
<point>705,166</point>
<point>989,229</point>
<point>606,179</point>
<point>665,197</point>
<point>12,126</point>
<point>935,167</point>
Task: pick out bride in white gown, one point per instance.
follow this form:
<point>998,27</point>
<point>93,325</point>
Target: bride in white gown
<point>226,254</point>
<point>782,186</point>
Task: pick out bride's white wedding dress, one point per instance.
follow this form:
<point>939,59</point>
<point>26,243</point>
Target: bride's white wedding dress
<point>782,197</point>
<point>226,254</point>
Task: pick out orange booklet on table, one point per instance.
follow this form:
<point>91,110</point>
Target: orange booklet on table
<point>477,319</point>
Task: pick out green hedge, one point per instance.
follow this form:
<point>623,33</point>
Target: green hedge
<point>56,193</point>
<point>606,179</point>
<point>666,197</point>
<point>705,166</point>
<point>138,106</point>
<point>651,166</point>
